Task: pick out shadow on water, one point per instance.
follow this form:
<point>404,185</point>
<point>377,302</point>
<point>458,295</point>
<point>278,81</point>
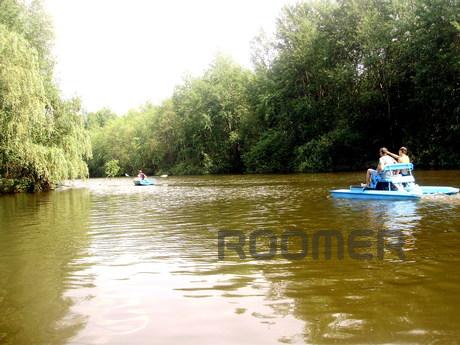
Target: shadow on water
<point>40,236</point>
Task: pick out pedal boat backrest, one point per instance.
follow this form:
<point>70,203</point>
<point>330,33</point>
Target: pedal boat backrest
<point>399,178</point>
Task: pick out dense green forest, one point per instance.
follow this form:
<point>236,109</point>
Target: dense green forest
<point>42,137</point>
<point>338,80</point>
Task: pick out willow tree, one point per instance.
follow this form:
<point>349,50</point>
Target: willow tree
<point>42,137</point>
<point>23,118</point>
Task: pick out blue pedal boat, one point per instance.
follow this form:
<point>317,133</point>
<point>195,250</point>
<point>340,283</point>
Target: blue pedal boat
<point>395,186</point>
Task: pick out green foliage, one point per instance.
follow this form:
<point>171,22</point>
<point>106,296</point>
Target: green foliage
<point>112,168</point>
<point>123,139</point>
<point>210,110</point>
<point>338,80</point>
<point>42,139</point>
<point>315,155</point>
<point>197,132</point>
<point>351,76</point>
<point>99,119</point>
<point>270,154</point>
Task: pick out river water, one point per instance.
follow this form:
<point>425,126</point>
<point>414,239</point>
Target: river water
<point>111,263</point>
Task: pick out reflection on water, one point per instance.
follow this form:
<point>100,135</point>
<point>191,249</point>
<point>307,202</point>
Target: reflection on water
<point>398,219</point>
<point>40,236</point>
<point>112,263</point>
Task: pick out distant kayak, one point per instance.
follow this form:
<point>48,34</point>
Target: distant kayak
<point>144,182</point>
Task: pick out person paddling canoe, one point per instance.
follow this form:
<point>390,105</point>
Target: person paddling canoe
<point>141,175</point>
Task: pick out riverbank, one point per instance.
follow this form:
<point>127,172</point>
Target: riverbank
<point>10,185</point>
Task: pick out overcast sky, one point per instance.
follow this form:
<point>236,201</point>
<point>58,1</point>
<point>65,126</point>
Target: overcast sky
<point>120,54</point>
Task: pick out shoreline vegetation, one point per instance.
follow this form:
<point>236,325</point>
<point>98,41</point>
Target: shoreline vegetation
<point>338,80</point>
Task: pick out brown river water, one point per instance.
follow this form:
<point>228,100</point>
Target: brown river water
<point>111,263</point>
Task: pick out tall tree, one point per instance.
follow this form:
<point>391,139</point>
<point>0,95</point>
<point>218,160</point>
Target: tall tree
<point>42,137</point>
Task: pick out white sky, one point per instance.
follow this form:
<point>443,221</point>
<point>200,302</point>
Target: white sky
<point>120,54</point>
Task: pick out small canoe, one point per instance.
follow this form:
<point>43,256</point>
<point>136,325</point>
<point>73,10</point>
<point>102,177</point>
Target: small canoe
<point>144,182</point>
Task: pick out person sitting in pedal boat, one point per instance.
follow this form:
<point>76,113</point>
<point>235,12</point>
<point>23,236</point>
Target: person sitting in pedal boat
<point>401,157</point>
<point>384,160</point>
